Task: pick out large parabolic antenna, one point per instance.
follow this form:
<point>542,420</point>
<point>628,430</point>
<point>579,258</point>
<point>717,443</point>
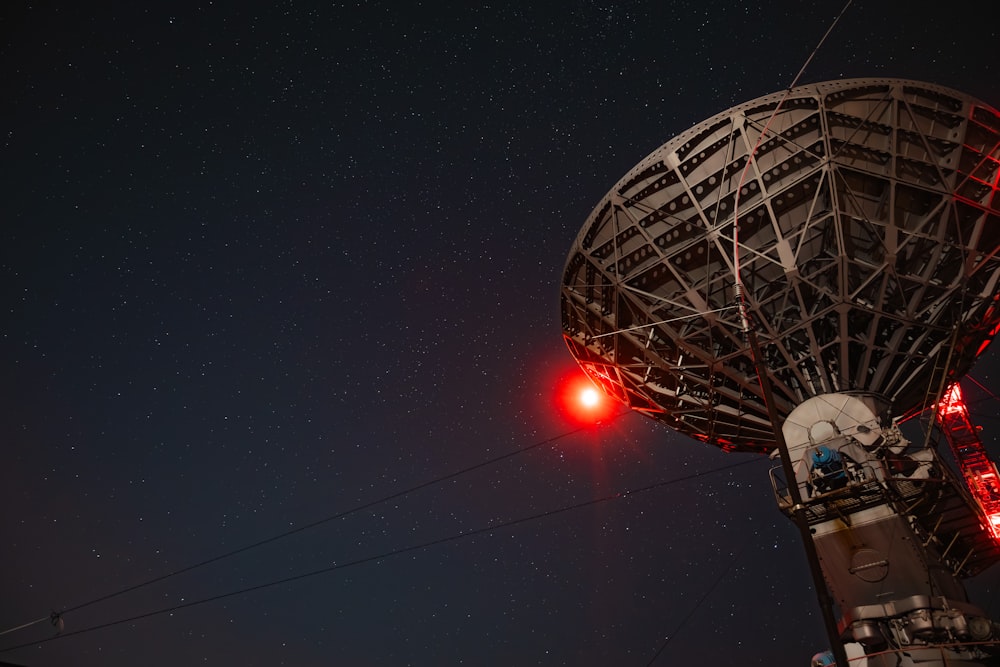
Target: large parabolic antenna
<point>868,227</point>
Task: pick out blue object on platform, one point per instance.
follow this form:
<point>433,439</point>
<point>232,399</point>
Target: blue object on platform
<point>823,659</point>
<point>828,468</point>
<point>824,456</point>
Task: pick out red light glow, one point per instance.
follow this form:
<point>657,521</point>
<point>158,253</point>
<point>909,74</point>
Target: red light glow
<point>979,471</point>
<point>582,401</point>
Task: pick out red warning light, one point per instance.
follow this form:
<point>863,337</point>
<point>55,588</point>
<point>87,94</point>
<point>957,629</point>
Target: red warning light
<point>582,401</point>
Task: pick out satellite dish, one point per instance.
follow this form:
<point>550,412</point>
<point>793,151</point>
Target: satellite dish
<point>868,238</point>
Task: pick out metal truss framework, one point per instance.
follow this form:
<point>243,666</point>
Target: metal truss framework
<point>980,473</point>
<point>869,228</point>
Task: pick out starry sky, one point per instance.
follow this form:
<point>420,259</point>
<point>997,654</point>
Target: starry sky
<point>266,263</point>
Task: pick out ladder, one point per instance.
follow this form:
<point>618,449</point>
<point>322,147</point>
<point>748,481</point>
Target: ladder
<point>980,474</point>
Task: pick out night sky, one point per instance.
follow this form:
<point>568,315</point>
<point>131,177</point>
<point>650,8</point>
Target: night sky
<point>266,263</point>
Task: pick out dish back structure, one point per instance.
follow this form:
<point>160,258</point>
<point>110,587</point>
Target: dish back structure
<point>868,225</point>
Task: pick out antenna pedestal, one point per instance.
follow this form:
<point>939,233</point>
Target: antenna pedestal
<point>895,533</point>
